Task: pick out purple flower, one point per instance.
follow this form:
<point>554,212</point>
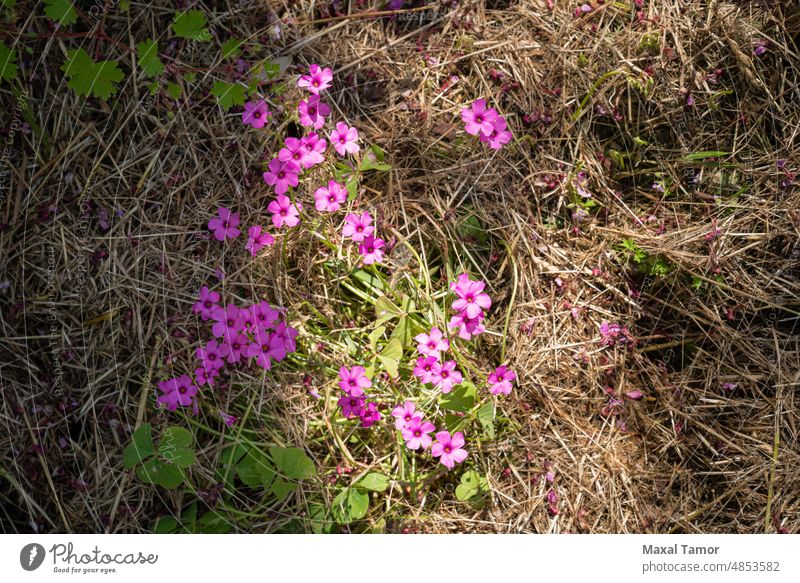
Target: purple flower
<point>344,139</point>
<point>313,112</point>
<point>255,114</point>
<point>224,227</point>
<point>415,433</point>
<point>448,449</point>
<point>318,79</point>
<point>282,175</point>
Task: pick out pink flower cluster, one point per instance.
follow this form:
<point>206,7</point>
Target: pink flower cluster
<point>490,127</point>
<point>257,332</point>
<point>355,403</point>
<point>429,369</point>
<point>470,306</point>
<point>224,226</point>
<point>611,334</point>
<point>416,433</point>
<point>359,228</point>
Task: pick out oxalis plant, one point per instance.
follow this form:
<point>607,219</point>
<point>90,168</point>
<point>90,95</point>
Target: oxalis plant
<point>411,380</point>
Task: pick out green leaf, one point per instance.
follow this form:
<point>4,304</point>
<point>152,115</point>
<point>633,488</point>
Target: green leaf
<point>293,463</point>
<point>403,332</point>
<point>351,185</point>
<point>61,11</point>
<point>461,398</point>
<point>147,52</point>
<point>385,310</point>
<point>171,476</point>
<point>183,457</point>
<point>376,335</point>
<point>8,3</point>
<point>191,24</point>
<point>165,525</point>
<point>141,446</point>
<point>698,156</point>
<point>255,469</point>
<point>373,160</point>
<point>154,471</point>
<point>351,504</point>
<point>175,437</point>
<point>272,70</point>
<point>373,481</point>
<point>89,78</point>
<point>281,488</point>
<point>231,48</point>
<point>472,485</point>
<point>320,522</point>
<point>390,357</point>
<point>174,90</point>
<point>8,68</point>
<point>486,419</point>
<point>228,94</point>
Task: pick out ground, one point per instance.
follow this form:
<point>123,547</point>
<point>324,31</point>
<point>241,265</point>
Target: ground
<point>638,238</point>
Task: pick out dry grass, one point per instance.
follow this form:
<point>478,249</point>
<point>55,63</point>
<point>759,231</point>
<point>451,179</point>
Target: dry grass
<point>93,318</point>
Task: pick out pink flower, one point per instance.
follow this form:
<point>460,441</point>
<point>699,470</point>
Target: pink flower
<point>179,391</point>
<point>261,348</point>
<point>331,198</point>
<point>403,414</point>
<point>371,248</point>
<point>295,150</point>
<point>445,376</point>
<point>424,368</point>
<point>499,137</point>
<point>237,344</point>
<point>224,227</point>
<point>370,415</point>
<point>448,449</point>
<point>229,420</point>
<point>478,119</point>
<point>315,148</point>
<point>206,303</point>
<point>227,320</point>
<point>256,114</point>
<point>256,240</point>
<point>317,80</point>
<point>212,355</point>
<point>432,344</point>
<point>281,175</point>
<point>500,380</point>
<point>354,380</point>
<point>467,327</point>
<point>351,406</point>
<point>416,433</point>
<point>283,341</point>
<point>284,212</point>
<point>472,300</point>
<point>263,315</point>
<point>344,139</point>
<point>203,376</point>
<point>313,112</point>
<point>358,227</point>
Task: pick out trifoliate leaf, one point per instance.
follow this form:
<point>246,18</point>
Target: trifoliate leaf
<point>141,446</point>
<point>231,48</point>
<point>8,58</point>
<point>147,52</point>
<point>60,11</point>
<point>191,24</point>
<point>390,357</point>
<point>89,78</point>
<point>373,481</point>
<point>293,463</point>
<point>351,504</point>
<point>228,94</point>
